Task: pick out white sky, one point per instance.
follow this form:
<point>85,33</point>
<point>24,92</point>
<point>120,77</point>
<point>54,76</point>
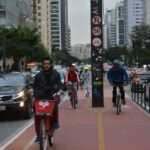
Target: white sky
<point>79,19</point>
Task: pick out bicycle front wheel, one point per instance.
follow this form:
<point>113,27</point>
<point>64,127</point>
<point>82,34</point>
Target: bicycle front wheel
<point>43,136</point>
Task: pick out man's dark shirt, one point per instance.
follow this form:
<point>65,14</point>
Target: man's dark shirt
<point>46,84</point>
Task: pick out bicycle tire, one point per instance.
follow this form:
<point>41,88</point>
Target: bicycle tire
<point>43,136</point>
<point>118,104</point>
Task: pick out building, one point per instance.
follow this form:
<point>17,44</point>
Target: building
<point>134,16</point>
<point>65,29</point>
<point>110,25</point>
<point>21,15</point>
<point>147,12</point>
<point>81,51</point>
<point>120,24</point>
<point>56,24</point>
<point>42,19</point>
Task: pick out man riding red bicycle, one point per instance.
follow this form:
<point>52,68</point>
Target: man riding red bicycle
<point>46,83</point>
<point>72,77</point>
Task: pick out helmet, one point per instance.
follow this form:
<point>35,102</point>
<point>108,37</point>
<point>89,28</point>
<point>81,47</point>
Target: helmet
<point>116,62</point>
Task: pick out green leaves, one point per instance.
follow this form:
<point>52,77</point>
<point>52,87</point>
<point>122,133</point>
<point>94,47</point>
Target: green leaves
<point>21,42</point>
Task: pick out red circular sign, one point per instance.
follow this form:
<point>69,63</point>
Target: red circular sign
<point>96,20</point>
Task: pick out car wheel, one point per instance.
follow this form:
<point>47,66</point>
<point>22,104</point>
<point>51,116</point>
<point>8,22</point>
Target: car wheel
<point>28,111</point>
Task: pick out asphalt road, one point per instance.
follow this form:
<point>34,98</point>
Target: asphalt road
<point>10,125</point>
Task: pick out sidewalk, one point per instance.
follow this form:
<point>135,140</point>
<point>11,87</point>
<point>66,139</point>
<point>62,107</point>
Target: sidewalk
<point>95,129</point>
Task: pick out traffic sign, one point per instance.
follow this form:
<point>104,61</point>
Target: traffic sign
<point>96,31</point>
<point>96,20</point>
<point>96,42</point>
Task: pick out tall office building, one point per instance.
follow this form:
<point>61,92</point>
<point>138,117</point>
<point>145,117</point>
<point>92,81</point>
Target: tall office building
<point>56,24</point>
<point>120,24</point>
<point>65,29</point>
<point>134,16</point>
<point>42,19</point>
<point>110,25</point>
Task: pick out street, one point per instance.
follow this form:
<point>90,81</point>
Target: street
<point>10,125</point>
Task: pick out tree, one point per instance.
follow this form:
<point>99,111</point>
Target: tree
<point>113,53</point>
<point>21,42</point>
<point>63,57</point>
<point>141,43</point>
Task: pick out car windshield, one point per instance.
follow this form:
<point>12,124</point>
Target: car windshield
<point>12,80</point>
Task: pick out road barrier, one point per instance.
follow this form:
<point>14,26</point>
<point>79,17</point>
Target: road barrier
<point>141,95</point>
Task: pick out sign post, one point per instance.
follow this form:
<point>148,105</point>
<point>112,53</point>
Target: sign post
<point>97,53</point>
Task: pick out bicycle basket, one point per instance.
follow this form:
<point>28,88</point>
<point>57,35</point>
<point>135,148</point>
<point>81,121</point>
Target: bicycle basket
<point>44,106</point>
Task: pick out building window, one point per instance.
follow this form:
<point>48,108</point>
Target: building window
<point>39,7</point>
<point>39,13</point>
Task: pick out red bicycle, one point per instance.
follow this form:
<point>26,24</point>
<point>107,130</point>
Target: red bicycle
<point>45,110</point>
<point>72,89</point>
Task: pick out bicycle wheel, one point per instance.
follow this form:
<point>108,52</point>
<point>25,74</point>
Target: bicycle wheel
<point>118,104</point>
<point>74,99</point>
<point>43,136</point>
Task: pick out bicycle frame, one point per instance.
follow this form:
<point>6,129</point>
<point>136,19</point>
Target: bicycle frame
<point>45,110</point>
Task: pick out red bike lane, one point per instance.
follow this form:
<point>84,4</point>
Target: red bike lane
<point>95,129</point>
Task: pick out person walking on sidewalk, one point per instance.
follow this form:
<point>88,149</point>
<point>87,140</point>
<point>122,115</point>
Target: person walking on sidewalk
<point>118,78</point>
<point>46,83</point>
<point>73,78</point>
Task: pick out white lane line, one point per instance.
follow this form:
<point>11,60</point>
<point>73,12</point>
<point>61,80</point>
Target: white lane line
<point>14,136</point>
<point>30,144</point>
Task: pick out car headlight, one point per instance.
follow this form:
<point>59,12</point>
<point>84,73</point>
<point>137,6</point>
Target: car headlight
<point>19,95</point>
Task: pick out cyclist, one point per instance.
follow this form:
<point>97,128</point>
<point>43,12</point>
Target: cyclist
<point>73,77</point>
<point>46,83</point>
<point>117,77</point>
<point>86,81</point>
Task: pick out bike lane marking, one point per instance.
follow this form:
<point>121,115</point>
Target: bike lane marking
<point>16,135</point>
<point>100,131</point>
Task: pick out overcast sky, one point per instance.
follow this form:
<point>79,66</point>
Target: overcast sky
<point>79,19</point>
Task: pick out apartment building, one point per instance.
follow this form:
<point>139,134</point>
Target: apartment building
<point>134,16</point>
<point>55,24</point>
<point>42,19</point>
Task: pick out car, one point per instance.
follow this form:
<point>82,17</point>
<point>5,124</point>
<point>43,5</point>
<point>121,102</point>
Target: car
<point>16,93</point>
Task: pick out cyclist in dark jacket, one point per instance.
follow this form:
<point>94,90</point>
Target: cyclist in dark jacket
<point>118,77</point>
<point>46,83</point>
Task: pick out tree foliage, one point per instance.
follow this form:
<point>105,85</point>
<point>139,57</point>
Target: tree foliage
<point>141,44</point>
<point>63,57</point>
<point>21,42</point>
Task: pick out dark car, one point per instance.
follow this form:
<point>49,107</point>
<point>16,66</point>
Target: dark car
<point>16,93</point>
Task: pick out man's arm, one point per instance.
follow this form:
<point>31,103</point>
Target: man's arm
<point>36,87</point>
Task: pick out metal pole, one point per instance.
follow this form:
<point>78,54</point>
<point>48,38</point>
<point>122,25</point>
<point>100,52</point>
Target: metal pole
<point>97,53</point>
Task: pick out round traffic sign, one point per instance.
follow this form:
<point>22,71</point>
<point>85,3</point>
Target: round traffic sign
<point>96,20</point>
<point>96,31</point>
<point>96,42</point>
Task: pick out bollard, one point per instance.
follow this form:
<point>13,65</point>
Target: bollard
<point>149,99</point>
